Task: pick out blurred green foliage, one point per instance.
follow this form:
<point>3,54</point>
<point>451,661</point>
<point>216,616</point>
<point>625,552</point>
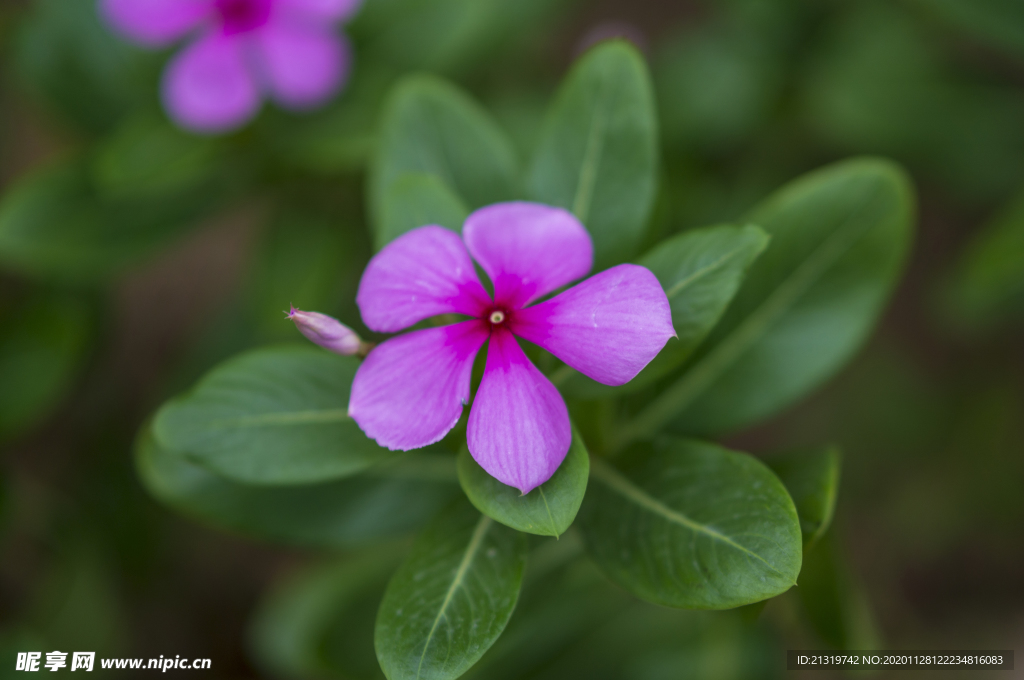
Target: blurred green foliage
<point>747,96</point>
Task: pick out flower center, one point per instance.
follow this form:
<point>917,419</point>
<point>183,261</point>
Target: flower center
<point>497,316</point>
<point>239,16</point>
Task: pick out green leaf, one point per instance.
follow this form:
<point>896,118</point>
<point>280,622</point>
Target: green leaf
<point>389,499</point>
<point>700,270</point>
<point>42,344</point>
<point>840,236</point>
<point>547,510</point>
<point>451,599</point>
<point>559,605</point>
<point>430,126</point>
<point>415,199</point>
<point>693,525</point>
<point>275,415</point>
<point>597,155</point>
<point>812,479</point>
<point>320,622</point>
<point>54,223</point>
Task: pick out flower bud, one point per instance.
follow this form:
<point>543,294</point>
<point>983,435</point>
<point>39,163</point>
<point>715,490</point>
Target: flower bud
<point>327,332</point>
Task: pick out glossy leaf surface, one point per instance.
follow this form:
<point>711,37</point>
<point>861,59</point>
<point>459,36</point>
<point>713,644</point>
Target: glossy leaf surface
<point>693,525</point>
<point>276,415</point>
<point>547,510</point>
<point>430,126</point>
<point>451,598</point>
<point>597,155</point>
<point>839,241</point>
<point>415,200</point>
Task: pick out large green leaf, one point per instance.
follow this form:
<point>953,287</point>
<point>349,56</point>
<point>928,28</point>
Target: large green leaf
<point>55,223</point>
<point>693,525</point>
<point>275,415</point>
<point>389,499</point>
<point>416,199</point>
<point>597,155</point>
<point>812,479</point>
<point>41,346</point>
<point>547,510</point>
<point>700,270</point>
<point>430,126</point>
<point>320,622</point>
<point>450,600</point>
<point>839,241</point>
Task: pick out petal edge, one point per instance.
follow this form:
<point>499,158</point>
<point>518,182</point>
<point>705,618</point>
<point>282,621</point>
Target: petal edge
<point>528,249</point>
<point>410,390</point>
<point>608,327</point>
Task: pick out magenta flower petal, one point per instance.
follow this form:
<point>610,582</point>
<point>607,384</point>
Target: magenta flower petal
<point>420,274</point>
<point>155,23</point>
<point>528,249</point>
<point>320,10</point>
<point>207,86</point>
<point>303,64</point>
<point>519,428</point>
<point>411,389</point>
<point>608,327</point>
<point>326,331</point>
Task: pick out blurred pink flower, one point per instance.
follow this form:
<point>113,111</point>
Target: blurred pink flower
<point>243,50</point>
<point>411,389</point>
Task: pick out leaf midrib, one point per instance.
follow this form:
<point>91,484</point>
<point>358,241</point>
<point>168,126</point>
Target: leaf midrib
<point>619,483</point>
<point>282,418</point>
<point>591,160</point>
<point>677,397</point>
<point>460,574</point>
<point>706,270</point>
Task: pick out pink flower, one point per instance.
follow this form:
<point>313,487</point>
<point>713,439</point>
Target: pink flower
<point>243,49</point>
<point>410,390</point>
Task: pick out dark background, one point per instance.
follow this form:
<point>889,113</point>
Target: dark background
<point>930,415</point>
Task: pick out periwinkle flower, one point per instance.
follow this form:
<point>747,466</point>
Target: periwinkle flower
<point>243,50</point>
<point>410,390</point>
<point>326,331</point>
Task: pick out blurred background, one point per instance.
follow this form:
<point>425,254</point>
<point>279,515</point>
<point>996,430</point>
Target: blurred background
<point>134,256</point>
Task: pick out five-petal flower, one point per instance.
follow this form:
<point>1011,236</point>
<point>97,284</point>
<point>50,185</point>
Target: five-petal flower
<point>410,390</point>
<point>243,49</point>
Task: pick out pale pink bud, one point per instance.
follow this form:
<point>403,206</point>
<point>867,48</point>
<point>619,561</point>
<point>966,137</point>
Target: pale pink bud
<point>327,332</point>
